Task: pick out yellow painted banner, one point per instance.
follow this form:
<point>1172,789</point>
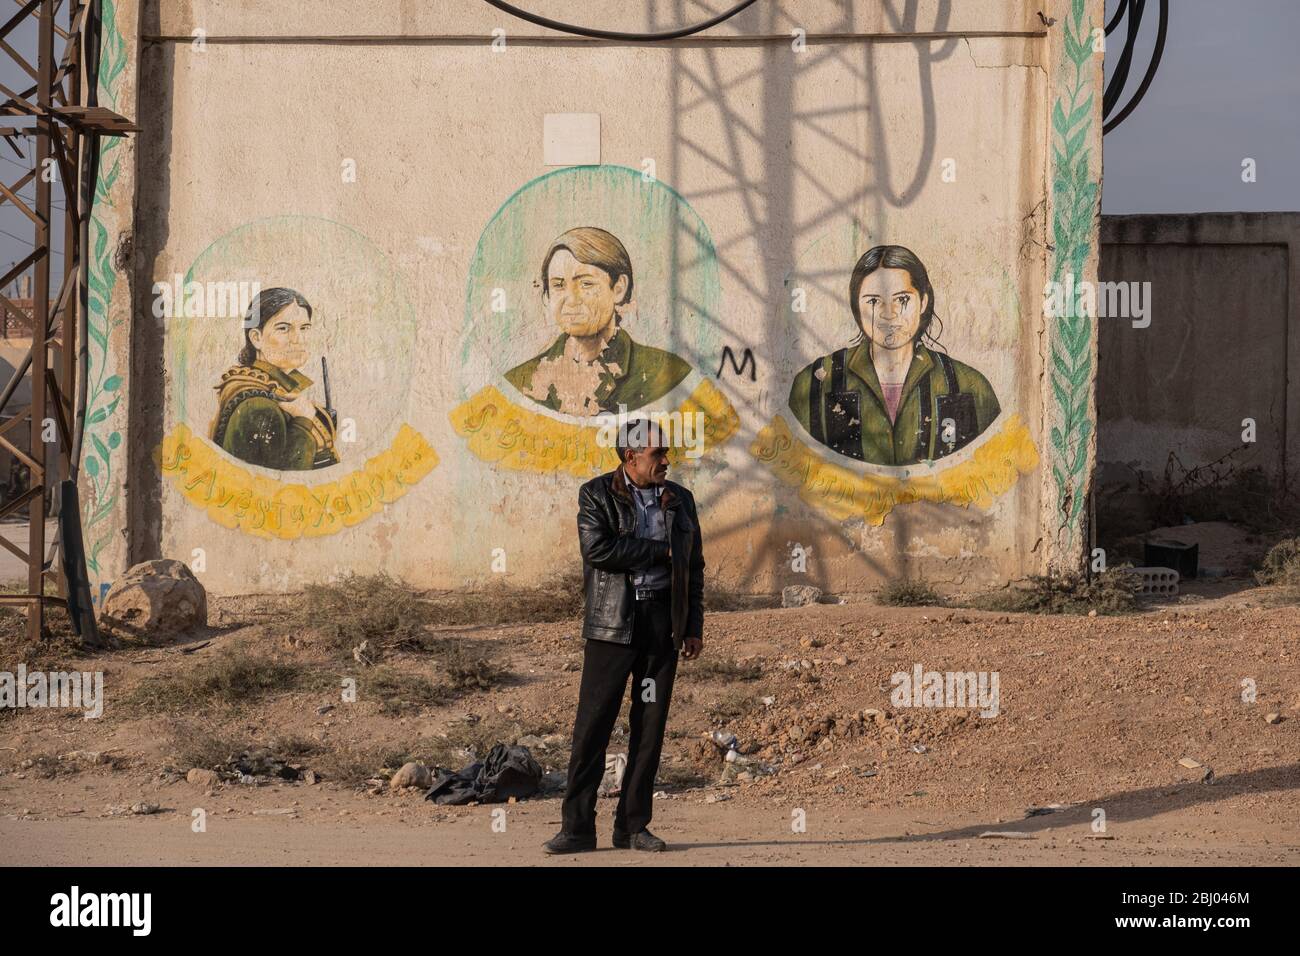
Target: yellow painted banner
<point>501,432</point>
<point>235,498</point>
<point>841,493</point>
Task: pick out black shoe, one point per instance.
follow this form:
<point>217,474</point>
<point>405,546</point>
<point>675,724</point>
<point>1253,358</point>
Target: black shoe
<point>642,840</point>
<point>568,843</point>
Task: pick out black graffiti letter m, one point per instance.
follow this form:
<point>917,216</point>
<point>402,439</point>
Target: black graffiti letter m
<point>747,362</point>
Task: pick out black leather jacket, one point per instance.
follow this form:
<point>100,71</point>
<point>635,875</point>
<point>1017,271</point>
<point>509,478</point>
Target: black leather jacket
<point>611,551</point>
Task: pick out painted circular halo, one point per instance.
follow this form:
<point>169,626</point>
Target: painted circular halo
<point>337,315</point>
<point>629,266</point>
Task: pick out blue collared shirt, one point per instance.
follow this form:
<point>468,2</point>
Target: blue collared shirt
<point>650,523</point>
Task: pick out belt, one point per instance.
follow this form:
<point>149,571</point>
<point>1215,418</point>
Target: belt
<point>653,594</point>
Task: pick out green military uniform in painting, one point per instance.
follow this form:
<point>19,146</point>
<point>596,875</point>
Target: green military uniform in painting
<point>844,407</point>
<point>630,374</point>
<point>252,425</point>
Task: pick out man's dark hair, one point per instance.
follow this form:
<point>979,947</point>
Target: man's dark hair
<point>635,434</point>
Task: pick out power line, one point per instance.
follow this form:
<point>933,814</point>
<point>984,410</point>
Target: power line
<point>27,169</point>
<point>24,168</point>
<point>31,202</point>
<point>1114,89</point>
<point>53,252</point>
<point>1114,21</point>
<point>28,199</point>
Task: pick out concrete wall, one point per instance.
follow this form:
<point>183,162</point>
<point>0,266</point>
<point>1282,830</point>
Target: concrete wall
<point>393,173</point>
<point>1222,346</point>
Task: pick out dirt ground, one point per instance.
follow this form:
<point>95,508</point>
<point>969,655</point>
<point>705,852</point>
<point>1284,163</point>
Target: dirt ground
<point>1095,713</point>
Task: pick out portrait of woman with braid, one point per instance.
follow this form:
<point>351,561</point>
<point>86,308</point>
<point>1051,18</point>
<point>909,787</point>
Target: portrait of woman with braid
<point>264,416</point>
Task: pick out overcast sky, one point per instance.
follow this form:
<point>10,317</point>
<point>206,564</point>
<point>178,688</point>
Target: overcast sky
<point>1228,89</point>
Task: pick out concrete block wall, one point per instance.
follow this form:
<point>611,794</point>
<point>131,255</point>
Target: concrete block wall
<point>1215,373</point>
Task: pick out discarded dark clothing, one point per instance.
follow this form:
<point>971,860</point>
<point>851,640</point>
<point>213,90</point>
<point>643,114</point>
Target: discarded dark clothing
<point>506,772</point>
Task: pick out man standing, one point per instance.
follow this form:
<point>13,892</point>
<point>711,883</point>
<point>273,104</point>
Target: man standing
<point>643,569</point>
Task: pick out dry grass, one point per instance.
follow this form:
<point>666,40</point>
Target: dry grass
<point>231,677</point>
<point>719,669</point>
<point>502,604</point>
<point>353,766</point>
<point>720,597</point>
<point>680,777</point>
<point>60,649</point>
<point>1282,564</point>
<point>1222,491</point>
<point>48,767</point>
<point>391,615</point>
<point>193,744</point>
<point>733,704</point>
<point>466,674</point>
<point>1114,591</point>
<point>358,608</point>
<point>909,592</point>
<point>400,692</point>
<point>1281,569</point>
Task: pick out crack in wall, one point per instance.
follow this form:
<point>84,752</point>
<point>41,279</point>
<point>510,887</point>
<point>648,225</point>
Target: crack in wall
<point>1003,65</point>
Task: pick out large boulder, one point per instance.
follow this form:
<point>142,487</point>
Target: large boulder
<point>799,595</point>
<point>156,600</point>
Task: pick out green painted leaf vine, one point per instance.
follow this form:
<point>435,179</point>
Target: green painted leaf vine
<point>103,389</point>
<point>1075,196</point>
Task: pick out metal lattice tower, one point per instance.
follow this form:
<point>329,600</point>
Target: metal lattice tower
<point>56,121</point>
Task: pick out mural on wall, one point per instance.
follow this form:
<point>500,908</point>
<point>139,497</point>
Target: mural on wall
<point>237,431</point>
<point>624,270</point>
<point>892,398</point>
<point>264,414</point>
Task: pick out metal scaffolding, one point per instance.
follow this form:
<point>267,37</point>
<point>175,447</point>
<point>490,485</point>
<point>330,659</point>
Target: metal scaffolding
<point>64,123</point>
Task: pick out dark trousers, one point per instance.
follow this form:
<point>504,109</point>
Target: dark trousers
<point>605,670</point>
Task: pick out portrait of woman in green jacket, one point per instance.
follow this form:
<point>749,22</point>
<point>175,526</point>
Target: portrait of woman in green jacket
<point>264,416</point>
<point>893,396</point>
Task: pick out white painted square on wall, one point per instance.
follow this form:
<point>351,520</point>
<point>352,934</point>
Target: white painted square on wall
<point>571,139</point>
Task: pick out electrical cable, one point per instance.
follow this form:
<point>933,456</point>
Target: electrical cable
<point>5,232</point>
<point>1119,13</point>
<point>1115,87</point>
<point>1162,32</point>
<point>614,34</point>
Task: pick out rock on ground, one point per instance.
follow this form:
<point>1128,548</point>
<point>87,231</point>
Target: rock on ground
<point>157,600</point>
<point>207,779</point>
<point>797,595</point>
<point>412,775</point>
